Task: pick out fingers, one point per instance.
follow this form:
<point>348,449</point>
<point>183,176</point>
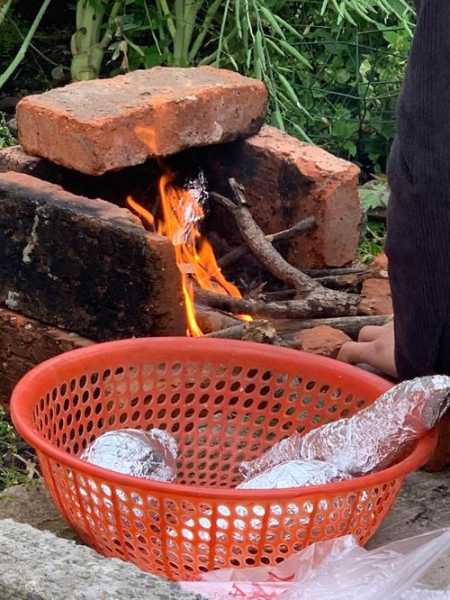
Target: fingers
<point>369,333</point>
<point>356,352</point>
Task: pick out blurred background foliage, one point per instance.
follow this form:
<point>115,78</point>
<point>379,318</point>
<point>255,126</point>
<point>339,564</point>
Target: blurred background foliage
<point>333,67</point>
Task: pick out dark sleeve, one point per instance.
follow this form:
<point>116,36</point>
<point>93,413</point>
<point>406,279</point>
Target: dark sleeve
<point>418,242</point>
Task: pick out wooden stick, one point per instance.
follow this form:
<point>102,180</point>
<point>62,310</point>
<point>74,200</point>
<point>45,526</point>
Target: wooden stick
<point>300,228</point>
<point>323,303</point>
<point>350,325</point>
<point>254,331</point>
<point>337,282</point>
<point>335,271</point>
<point>214,320</point>
<point>256,241</point>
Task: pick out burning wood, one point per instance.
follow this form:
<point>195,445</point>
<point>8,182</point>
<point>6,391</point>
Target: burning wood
<point>181,215</point>
<point>179,218</point>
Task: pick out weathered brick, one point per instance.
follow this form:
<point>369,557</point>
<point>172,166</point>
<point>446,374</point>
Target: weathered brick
<point>376,298</point>
<point>287,180</point>
<point>15,159</point>
<point>323,340</point>
<point>84,265</point>
<point>24,343</point>
<point>98,126</point>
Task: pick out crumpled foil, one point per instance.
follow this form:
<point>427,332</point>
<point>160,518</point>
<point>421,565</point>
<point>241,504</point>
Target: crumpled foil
<point>147,454</point>
<point>295,473</point>
<point>190,209</point>
<point>371,440</point>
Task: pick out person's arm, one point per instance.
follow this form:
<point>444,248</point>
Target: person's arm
<point>418,242</point>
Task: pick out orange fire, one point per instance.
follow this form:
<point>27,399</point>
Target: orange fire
<point>181,214</point>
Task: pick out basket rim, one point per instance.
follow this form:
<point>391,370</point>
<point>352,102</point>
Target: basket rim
<point>22,399</point>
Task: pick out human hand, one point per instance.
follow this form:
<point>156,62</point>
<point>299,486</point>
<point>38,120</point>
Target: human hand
<point>375,347</point>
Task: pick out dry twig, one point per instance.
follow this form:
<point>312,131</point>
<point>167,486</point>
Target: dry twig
<point>302,227</point>
<point>259,245</point>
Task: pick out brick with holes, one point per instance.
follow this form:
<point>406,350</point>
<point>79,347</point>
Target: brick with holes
<point>84,265</point>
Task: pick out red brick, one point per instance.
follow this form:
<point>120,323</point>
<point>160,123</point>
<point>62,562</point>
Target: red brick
<point>381,265</point>
<point>376,297</point>
<point>98,126</point>
<point>24,343</point>
<point>381,262</point>
<point>323,340</point>
<point>84,265</point>
<point>15,159</point>
<point>287,180</point>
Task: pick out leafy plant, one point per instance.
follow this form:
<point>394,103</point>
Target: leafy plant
<point>374,194</point>
<point>6,138</point>
<point>332,69</point>
<point>95,23</point>
<point>17,463</point>
<point>5,6</point>
<point>372,243</point>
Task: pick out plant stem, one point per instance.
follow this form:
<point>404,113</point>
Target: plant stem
<point>191,11</point>
<point>165,11</point>
<point>106,40</point>
<point>222,32</point>
<point>209,17</point>
<point>4,10</point>
<point>25,44</point>
<point>179,53</point>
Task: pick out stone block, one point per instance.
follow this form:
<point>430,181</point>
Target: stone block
<point>84,265</point>
<point>36,565</point>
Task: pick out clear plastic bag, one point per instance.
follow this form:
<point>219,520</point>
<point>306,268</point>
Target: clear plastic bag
<point>371,440</point>
<point>337,569</point>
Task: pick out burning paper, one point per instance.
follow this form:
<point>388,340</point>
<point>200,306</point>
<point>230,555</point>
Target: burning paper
<point>371,440</point>
<point>147,454</point>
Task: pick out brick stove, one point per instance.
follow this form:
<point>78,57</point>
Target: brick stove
<point>77,267</point>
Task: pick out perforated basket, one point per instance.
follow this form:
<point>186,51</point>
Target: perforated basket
<point>224,401</point>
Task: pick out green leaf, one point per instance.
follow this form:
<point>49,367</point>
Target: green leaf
<point>152,57</point>
<point>295,53</point>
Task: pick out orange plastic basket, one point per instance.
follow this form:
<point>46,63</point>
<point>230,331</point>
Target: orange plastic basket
<point>224,401</point>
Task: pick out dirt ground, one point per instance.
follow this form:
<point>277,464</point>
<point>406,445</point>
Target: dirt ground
<point>423,505</point>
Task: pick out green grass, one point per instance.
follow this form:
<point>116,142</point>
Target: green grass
<point>17,460</point>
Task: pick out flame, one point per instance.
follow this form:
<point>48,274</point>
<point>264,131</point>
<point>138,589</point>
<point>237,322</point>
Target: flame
<point>181,215</point>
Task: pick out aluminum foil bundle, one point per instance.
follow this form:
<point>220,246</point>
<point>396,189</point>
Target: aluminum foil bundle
<point>295,473</point>
<point>148,454</point>
<point>371,440</point>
